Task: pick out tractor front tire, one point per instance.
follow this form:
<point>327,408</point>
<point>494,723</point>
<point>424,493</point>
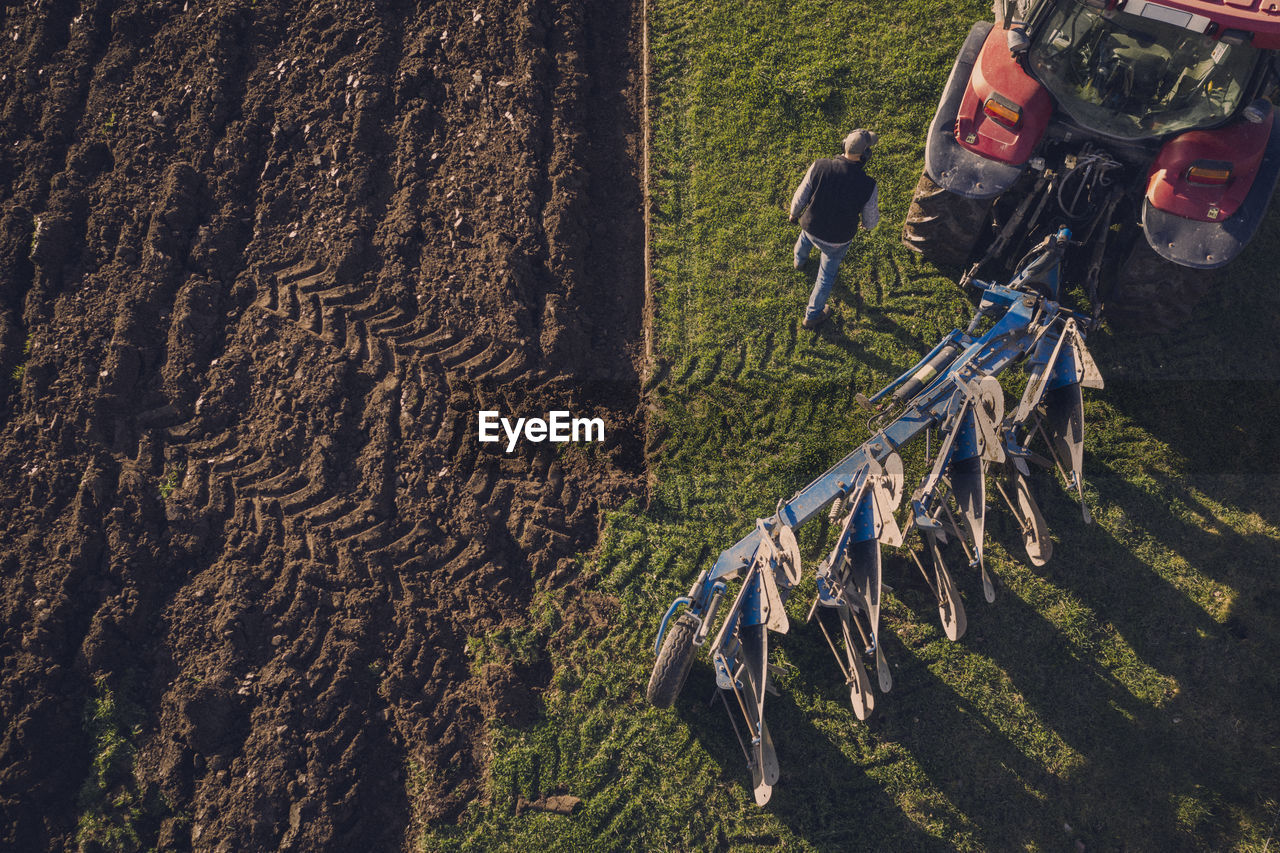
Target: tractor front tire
<point>944,226</point>
<point>674,659</point>
<point>1151,294</point>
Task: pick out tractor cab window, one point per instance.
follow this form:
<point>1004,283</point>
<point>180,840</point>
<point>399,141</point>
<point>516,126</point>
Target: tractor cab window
<point>1132,77</point>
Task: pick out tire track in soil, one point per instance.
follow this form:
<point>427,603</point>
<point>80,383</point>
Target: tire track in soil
<point>284,255</point>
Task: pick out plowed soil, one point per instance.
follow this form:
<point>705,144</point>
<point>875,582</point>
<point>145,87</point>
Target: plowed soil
<point>261,266</point>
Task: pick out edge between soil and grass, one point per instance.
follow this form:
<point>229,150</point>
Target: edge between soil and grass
<point>1119,697</point>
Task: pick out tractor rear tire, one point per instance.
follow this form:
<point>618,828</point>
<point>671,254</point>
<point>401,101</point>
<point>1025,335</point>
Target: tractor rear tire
<point>1151,294</point>
<point>943,226</point>
<point>674,660</point>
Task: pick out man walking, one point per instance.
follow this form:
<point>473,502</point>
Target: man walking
<point>835,192</point>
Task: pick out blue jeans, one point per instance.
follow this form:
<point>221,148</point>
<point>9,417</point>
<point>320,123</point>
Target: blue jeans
<point>832,255</point>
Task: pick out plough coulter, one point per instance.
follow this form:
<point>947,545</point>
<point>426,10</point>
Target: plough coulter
<point>953,400</point>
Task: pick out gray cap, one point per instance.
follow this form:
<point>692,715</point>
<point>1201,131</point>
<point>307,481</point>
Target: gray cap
<point>859,141</point>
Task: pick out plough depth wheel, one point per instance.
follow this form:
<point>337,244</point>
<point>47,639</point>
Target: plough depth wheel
<point>674,659</point>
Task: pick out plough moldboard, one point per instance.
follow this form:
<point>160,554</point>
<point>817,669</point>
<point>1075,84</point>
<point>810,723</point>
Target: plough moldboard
<point>953,394</point>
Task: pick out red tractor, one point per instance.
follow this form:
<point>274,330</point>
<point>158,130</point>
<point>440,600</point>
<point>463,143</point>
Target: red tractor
<point>1143,126</point>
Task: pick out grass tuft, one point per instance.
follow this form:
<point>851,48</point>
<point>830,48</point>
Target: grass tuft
<point>114,813</point>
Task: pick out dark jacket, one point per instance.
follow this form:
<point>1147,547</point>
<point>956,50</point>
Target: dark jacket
<point>833,195</point>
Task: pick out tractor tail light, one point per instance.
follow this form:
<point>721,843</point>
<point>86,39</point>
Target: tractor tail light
<point>1003,111</point>
<point>1209,173</point>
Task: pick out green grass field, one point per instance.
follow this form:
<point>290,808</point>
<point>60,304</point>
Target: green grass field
<point>1123,697</point>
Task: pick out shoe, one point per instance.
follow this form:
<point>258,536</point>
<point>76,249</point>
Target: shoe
<point>798,263</point>
<point>819,320</point>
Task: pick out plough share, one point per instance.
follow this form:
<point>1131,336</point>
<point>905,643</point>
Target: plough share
<point>952,393</point>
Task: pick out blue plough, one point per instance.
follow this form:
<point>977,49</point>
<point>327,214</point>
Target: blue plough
<point>952,393</point>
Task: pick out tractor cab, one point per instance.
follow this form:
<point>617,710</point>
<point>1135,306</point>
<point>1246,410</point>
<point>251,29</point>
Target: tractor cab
<point>1152,116</point>
<point>1142,70</point>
